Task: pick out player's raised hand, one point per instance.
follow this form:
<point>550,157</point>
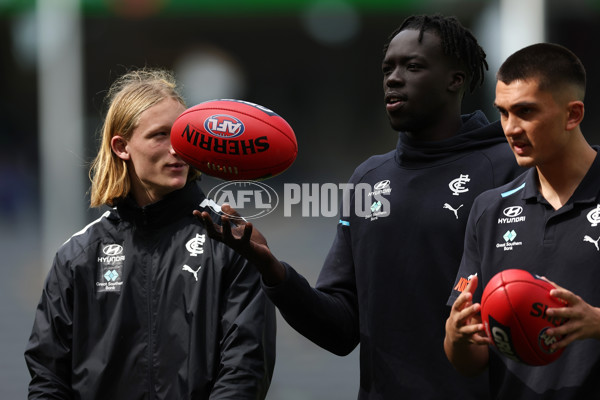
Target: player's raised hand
<point>464,323</point>
<point>241,236</point>
<point>235,230</point>
<point>466,342</point>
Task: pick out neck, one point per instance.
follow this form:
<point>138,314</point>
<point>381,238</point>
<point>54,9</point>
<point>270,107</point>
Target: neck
<point>441,129</point>
<point>142,195</point>
<point>558,180</point>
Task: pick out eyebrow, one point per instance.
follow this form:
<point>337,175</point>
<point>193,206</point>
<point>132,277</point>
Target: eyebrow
<point>404,58</point>
<point>518,105</point>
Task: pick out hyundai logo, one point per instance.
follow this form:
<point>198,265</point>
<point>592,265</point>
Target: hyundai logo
<point>382,185</point>
<point>513,211</point>
<point>112,249</point>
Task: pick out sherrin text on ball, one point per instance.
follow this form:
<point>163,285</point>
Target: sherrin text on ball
<point>234,140</point>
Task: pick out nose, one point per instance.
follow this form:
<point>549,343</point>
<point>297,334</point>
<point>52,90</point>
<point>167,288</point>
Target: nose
<point>173,152</point>
<point>511,126</point>
<point>394,78</point>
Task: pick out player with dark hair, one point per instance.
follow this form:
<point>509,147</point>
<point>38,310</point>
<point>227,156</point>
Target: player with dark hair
<point>457,43</point>
<point>385,281</point>
<point>539,94</point>
<point>141,304</point>
<point>562,68</point>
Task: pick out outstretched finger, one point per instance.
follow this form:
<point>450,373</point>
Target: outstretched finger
<point>472,285</point>
<point>226,228</point>
<point>565,295</point>
<point>465,315</point>
<point>231,212</point>
<point>247,232</point>
<point>462,301</point>
<point>208,223</point>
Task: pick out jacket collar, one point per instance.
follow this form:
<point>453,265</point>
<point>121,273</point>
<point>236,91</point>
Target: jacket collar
<point>174,206</point>
<point>476,133</point>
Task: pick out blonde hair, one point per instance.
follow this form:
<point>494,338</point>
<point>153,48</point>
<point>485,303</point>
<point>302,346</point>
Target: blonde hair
<point>128,97</point>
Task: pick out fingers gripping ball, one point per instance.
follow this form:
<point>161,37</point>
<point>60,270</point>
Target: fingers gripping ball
<point>234,140</point>
<point>513,310</point>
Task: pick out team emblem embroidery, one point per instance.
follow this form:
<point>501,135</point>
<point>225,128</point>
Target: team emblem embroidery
<point>195,245</point>
<point>594,216</point>
<point>457,186</point>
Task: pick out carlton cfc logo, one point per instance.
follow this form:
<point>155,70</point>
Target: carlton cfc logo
<point>224,126</point>
<point>594,216</point>
<point>457,186</point>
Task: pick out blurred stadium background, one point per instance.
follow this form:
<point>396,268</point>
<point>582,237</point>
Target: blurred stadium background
<point>315,62</point>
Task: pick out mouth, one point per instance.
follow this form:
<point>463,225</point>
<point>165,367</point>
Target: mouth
<point>520,146</point>
<point>394,101</point>
<point>176,166</point>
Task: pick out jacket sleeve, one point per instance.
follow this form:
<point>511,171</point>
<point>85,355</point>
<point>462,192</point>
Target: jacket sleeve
<point>328,313</point>
<point>48,352</point>
<point>248,336</point>
<point>471,260</point>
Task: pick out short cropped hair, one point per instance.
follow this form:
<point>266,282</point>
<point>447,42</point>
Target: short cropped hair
<point>458,43</point>
<point>552,65</point>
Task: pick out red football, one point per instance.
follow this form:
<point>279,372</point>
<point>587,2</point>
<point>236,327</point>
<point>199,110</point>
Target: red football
<point>513,310</point>
<point>234,140</point>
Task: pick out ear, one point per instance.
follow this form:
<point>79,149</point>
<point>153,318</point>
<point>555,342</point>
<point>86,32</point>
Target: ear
<point>119,147</point>
<point>575,111</point>
<point>457,81</point>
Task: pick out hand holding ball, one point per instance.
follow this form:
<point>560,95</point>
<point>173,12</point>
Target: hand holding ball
<point>513,310</point>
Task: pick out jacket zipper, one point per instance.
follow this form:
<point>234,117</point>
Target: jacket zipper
<point>150,334</point>
<point>150,320</point>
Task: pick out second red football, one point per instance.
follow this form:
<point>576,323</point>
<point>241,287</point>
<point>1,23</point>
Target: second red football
<point>514,308</point>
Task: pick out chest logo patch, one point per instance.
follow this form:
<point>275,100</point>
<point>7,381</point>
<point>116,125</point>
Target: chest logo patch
<point>196,245</point>
<point>454,210</point>
<point>587,238</point>
<point>594,216</point>
<point>378,205</point>
<point>457,186</point>
<point>110,263</point>
<point>512,215</point>
<point>509,241</point>
<point>189,269</point>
